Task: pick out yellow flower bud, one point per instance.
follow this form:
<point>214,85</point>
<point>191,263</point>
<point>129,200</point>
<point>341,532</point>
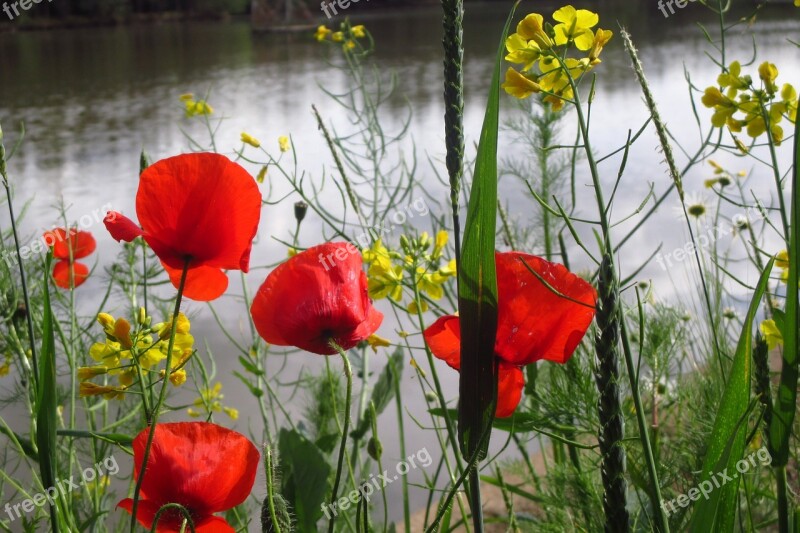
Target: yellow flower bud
<point>88,372</point>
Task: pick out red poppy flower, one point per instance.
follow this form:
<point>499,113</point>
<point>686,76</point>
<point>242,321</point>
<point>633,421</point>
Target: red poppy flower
<point>203,467</point>
<point>203,208</point>
<point>68,273</point>
<point>317,296</point>
<point>533,322</point>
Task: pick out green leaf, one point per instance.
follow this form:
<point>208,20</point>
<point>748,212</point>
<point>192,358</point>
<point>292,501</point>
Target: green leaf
<point>477,281</point>
<point>46,401</point>
<point>305,478</point>
<point>383,392</point>
<point>727,440</point>
<point>786,400</point>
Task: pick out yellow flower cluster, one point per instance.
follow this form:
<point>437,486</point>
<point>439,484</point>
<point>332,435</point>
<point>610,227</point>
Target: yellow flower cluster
<point>419,262</point>
<point>722,177</point>
<point>125,352</point>
<point>5,368</point>
<point>536,44</point>
<point>195,107</point>
<point>347,35</point>
<point>763,107</point>
<point>210,401</point>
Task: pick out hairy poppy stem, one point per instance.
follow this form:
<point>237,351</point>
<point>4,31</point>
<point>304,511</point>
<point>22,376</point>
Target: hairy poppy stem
<point>348,372</point>
<point>161,397</point>
<point>187,521</point>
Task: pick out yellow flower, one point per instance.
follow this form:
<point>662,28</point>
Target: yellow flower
<point>521,51</point>
<point>601,39</point>
<point>127,377</point>
<point>768,73</point>
<point>430,284</point>
<point>122,332</point>
<point>449,269</point>
<point>377,253</point>
<point>531,28</point>
<point>252,141</point>
<point>198,107</point>
<point>87,388</point>
<point>518,85</point>
<point>412,307</point>
<point>88,372</point>
<point>337,37</point>
<point>322,33</point>
<point>376,341</point>
<point>733,79</point>
<point>575,26</point>
<point>349,44</point>
<point>782,259</point>
<point>210,401</point>
<point>178,377</point>
<point>383,282</point>
<point>5,368</point>
<point>771,333</point>
<point>185,97</point>
<point>107,353</point>
<point>283,143</point>
<point>107,321</point>
<point>151,357</point>
<point>359,32</point>
<point>724,107</point>
<point>441,241</point>
<point>262,174</point>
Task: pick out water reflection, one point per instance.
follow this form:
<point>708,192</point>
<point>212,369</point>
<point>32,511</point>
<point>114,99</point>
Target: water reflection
<point>92,98</point>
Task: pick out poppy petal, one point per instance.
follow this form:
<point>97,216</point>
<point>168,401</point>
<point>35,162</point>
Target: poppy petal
<point>202,206</point>
<point>202,466</point>
<point>61,274</point>
<point>317,296</point>
<point>121,227</point>
<point>444,340</point>
<point>533,322</point>
<point>510,382</point>
<point>80,242</point>
<point>203,283</point>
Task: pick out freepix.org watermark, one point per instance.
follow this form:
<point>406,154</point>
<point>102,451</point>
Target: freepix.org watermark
<point>663,5</point>
<point>330,5</point>
<point>368,488</point>
<point>106,467</point>
<point>15,6</point>
<point>718,480</point>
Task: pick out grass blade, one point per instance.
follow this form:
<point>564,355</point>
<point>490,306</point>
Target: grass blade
<point>477,282</point>
<point>786,401</point>
<point>727,441</point>
<point>46,401</point>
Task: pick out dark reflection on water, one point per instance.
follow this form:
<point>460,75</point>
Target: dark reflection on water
<point>91,99</point>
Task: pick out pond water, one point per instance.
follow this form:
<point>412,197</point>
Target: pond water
<point>91,99</point>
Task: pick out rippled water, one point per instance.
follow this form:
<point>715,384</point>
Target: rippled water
<point>91,99</point>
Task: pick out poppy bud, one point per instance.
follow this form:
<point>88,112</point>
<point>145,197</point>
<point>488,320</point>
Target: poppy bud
<point>282,517</point>
<point>375,448</point>
<point>300,209</point>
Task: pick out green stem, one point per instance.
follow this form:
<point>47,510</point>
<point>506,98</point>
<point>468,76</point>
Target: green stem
<point>161,397</point>
<point>348,372</point>
<point>783,500</point>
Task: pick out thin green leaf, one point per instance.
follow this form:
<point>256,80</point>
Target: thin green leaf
<point>786,401</point>
<point>46,400</point>
<point>477,281</point>
<point>727,440</point>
